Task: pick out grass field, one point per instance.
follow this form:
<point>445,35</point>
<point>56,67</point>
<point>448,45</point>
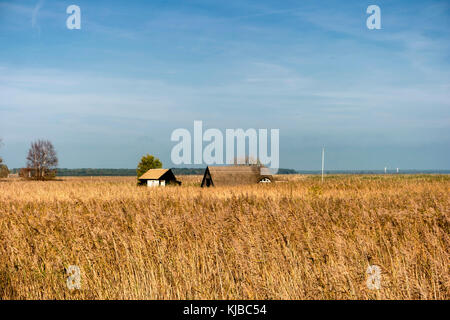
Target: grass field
<point>299,239</point>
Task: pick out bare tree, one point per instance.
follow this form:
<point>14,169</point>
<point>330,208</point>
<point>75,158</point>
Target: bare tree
<point>3,168</point>
<point>42,159</point>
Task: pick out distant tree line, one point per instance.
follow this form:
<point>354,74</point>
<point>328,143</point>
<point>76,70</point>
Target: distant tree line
<point>64,172</point>
<point>42,164</point>
<point>188,171</point>
<point>286,171</point>
<point>83,172</point>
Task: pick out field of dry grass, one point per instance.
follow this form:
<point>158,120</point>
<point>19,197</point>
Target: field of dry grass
<point>299,239</point>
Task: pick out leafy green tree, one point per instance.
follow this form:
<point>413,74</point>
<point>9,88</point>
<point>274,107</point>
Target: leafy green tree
<point>148,162</point>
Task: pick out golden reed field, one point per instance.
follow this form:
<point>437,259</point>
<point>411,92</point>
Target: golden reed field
<point>299,239</point>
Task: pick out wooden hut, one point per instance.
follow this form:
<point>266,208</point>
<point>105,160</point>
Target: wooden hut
<point>235,175</point>
<point>158,177</point>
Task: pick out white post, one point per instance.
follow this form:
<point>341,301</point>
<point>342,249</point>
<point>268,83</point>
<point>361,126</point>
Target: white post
<point>323,160</point>
<point>397,170</point>
<point>385,169</point>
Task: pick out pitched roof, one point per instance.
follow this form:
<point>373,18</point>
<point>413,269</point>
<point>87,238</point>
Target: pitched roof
<point>153,174</point>
<point>234,175</point>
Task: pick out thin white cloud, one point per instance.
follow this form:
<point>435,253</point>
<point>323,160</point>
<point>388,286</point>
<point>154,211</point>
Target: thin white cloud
<point>34,16</point>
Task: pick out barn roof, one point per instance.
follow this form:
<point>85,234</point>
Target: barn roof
<point>234,175</point>
<point>153,174</point>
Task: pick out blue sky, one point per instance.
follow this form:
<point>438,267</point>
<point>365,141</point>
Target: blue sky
<point>116,89</point>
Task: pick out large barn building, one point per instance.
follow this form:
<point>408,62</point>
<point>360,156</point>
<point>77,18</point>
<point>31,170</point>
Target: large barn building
<point>235,175</point>
<point>158,177</point>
